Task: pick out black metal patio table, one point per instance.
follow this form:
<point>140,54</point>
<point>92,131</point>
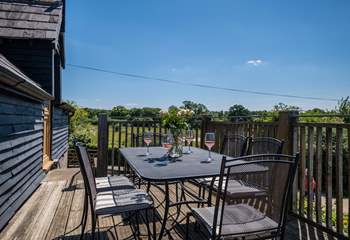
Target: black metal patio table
<point>157,168</point>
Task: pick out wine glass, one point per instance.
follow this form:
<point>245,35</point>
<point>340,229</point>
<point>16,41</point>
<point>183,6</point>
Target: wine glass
<point>167,142</point>
<point>209,141</point>
<point>147,138</point>
<point>189,138</point>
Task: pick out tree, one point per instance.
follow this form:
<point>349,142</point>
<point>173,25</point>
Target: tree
<point>238,110</point>
<point>79,125</point>
<point>172,108</point>
<point>344,108</point>
<point>284,107</point>
<point>197,108</point>
<point>119,112</point>
<point>150,112</point>
<point>135,112</point>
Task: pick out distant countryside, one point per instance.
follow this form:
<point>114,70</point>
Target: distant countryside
<point>83,124</point>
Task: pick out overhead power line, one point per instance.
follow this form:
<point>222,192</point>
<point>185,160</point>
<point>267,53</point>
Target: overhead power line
<point>131,75</point>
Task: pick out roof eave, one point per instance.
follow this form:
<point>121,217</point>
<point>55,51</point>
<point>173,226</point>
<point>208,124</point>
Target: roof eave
<point>23,86</point>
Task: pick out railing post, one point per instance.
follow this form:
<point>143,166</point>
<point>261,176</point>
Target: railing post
<point>204,127</point>
<point>286,123</point>
<point>286,131</point>
<point>102,151</point>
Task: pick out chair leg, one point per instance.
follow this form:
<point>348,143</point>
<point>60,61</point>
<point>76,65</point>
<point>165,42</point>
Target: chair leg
<point>147,224</point>
<point>187,225</point>
<point>93,225</point>
<point>154,223</point>
<point>203,195</point>
<point>199,194</point>
<point>84,217</point>
<point>137,224</point>
<point>98,228</point>
<point>148,186</point>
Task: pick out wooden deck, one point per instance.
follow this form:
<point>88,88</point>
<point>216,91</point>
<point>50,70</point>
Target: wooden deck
<point>54,212</point>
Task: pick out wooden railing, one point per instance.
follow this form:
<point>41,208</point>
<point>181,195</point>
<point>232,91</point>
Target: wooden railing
<point>257,129</point>
<point>116,134</point>
<point>320,186</point>
<point>323,147</point>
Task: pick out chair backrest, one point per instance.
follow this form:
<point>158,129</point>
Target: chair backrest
<point>278,169</point>
<point>234,145</point>
<point>137,140</point>
<point>265,145</point>
<point>86,171</point>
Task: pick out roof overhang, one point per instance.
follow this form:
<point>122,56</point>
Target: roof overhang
<point>13,78</point>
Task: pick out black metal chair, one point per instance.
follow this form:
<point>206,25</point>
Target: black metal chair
<point>263,145</point>
<point>258,218</point>
<point>111,201</point>
<point>233,145</point>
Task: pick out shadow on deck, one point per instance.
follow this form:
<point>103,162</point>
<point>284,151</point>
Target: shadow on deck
<point>54,212</point>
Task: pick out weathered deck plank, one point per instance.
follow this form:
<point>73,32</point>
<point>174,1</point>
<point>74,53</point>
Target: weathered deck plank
<point>54,212</point>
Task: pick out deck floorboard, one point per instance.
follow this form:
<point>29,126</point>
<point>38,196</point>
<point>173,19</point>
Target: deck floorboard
<point>54,212</point>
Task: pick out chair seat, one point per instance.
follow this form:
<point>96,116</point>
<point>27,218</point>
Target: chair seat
<point>113,183</point>
<point>203,181</point>
<point>241,189</point>
<point>115,202</point>
<point>239,219</point>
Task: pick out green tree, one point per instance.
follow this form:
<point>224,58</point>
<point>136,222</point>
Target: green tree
<point>197,108</point>
<point>279,107</point>
<point>135,112</point>
<point>238,110</point>
<point>119,112</point>
<point>79,125</point>
<point>149,112</point>
<point>344,108</point>
<point>172,108</point>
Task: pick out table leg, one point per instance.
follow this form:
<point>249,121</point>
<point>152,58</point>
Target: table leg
<point>166,210</point>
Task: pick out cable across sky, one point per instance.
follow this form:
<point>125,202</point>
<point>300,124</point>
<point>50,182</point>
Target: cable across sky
<point>199,85</point>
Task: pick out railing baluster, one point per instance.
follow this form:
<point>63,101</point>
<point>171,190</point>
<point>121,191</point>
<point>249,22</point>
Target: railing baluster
<point>295,183</point>
<point>137,139</point>
<point>132,140</point>
<point>329,178</point>
<point>119,146</point>
<point>160,131</point>
<point>120,135</point>
<point>310,171</point>
<point>348,179</point>
<point>143,133</point>
<point>126,135</point>
<point>154,133</point>
<point>319,175</point>
<point>113,153</point>
<point>302,170</point>
<point>339,180</point>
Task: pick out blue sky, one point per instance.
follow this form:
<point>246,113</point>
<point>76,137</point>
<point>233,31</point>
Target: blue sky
<point>288,47</point>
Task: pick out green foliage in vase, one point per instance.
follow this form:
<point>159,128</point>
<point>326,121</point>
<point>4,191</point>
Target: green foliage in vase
<point>176,119</point>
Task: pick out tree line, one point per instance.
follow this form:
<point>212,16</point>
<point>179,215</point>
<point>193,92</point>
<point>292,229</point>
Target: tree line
<point>236,112</point>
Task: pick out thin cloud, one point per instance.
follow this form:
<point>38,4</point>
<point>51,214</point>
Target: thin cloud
<point>131,104</point>
<point>255,62</point>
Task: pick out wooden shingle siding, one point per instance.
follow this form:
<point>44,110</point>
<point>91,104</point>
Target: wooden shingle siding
<point>59,133</point>
<point>20,20</point>
<point>21,151</point>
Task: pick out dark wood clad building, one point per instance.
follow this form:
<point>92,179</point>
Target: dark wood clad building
<point>33,118</point>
